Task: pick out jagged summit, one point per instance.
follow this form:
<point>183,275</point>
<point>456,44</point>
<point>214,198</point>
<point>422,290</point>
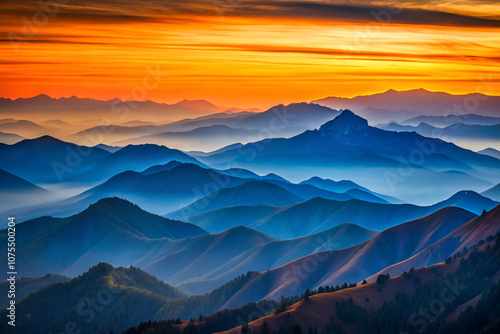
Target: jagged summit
<point>345,123</point>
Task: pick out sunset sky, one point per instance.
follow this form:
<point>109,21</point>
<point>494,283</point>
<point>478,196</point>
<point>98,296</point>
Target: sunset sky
<point>247,53</point>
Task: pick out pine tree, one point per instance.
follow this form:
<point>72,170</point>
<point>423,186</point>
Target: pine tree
<point>307,294</point>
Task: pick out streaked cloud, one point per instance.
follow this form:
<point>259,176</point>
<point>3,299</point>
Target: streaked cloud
<point>256,53</point>
<point>125,11</point>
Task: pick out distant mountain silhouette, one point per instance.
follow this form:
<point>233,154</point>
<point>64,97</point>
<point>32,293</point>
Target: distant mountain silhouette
<point>288,120</point>
<point>28,129</point>
<point>239,172</point>
<point>161,189</point>
<point>416,101</point>
<point>13,183</point>
<point>493,193</point>
<point>16,191</point>
<point>160,168</point>
<point>57,123</point>
<point>459,133</point>
<point>48,160</point>
<point>491,152</point>
<point>104,227</point>
<point>134,158</point>
<point>213,131</point>
<point>344,186</point>
<point>349,148</point>
<point>308,191</point>
<point>225,118</point>
<point>110,149</point>
<point>365,196</point>
<point>468,200</point>
<point>10,138</point>
<point>200,105</point>
<point>84,108</point>
<point>248,193</point>
<point>444,121</point>
<point>109,134</point>
<point>7,120</point>
<point>245,196</point>
<point>335,186</point>
<point>296,220</point>
<point>272,176</point>
<point>204,138</point>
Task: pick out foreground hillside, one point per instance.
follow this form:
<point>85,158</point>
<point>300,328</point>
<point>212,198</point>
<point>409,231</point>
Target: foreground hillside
<point>459,296</point>
<point>355,263</point>
<point>104,298</point>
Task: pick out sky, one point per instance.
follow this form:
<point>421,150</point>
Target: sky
<point>245,53</point>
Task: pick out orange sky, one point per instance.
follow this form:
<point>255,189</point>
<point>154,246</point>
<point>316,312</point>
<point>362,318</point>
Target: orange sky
<point>258,53</point>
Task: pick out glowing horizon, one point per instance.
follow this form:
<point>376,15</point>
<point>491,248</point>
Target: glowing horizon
<point>255,55</point>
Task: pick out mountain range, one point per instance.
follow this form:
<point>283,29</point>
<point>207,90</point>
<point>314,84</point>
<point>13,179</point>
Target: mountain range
<point>10,138</point>
<point>464,135</point>
<point>493,193</point>
<point>367,155</point>
<point>162,246</point>
<point>296,220</point>
<point>50,160</point>
<point>15,190</point>
<point>206,139</point>
<point>102,228</point>
<point>76,109</point>
<point>355,263</point>
<point>469,276</point>
<point>348,148</point>
<point>465,236</point>
<point>444,121</point>
<point>129,213</point>
<point>28,129</point>
<point>325,267</point>
<point>207,133</point>
<point>491,152</point>
<point>203,190</point>
<point>394,105</point>
<point>468,283</point>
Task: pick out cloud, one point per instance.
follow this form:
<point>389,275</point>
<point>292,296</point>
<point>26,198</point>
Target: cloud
<point>368,13</point>
<point>340,53</point>
<point>126,11</point>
